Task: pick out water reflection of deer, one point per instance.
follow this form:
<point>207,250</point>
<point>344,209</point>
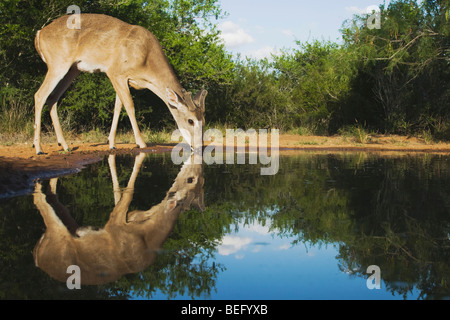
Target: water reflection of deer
<point>128,243</point>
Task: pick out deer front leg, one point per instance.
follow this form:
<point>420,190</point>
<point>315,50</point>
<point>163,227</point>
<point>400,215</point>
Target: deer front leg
<point>123,199</point>
<point>123,92</point>
<point>115,180</point>
<point>115,122</point>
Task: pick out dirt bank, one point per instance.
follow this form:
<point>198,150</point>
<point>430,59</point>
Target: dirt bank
<point>20,166</point>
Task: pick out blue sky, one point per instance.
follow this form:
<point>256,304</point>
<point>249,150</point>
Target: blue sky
<point>256,28</point>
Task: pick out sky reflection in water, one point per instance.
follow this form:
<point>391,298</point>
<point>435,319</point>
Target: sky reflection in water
<point>263,266</point>
<point>308,232</point>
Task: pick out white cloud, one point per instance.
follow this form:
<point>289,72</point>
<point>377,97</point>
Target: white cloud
<point>287,32</point>
<point>233,35</point>
<point>232,245</point>
<point>258,228</point>
<point>264,52</point>
<point>285,246</point>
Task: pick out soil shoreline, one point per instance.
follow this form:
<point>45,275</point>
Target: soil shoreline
<point>20,166</point>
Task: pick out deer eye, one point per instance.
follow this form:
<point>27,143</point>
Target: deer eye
<point>190,180</point>
<point>191,122</point>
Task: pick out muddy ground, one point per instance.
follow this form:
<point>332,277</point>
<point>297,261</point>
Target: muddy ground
<point>20,166</point>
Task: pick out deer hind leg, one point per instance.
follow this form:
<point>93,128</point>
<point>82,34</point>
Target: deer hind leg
<point>53,101</point>
<point>51,82</point>
<point>56,216</point>
<point>123,92</point>
<point>57,233</point>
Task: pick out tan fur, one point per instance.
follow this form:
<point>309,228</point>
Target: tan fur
<point>128,243</point>
<point>128,54</point>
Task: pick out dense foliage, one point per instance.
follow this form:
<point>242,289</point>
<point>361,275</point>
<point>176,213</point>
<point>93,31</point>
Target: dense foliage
<point>389,80</point>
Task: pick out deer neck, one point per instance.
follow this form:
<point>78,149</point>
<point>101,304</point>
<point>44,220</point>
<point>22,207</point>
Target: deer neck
<point>163,77</point>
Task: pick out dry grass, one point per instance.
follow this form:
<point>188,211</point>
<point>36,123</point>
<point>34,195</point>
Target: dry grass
<point>98,136</point>
<point>353,138</point>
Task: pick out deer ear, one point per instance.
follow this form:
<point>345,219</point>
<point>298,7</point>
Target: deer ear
<point>172,98</point>
<point>199,202</point>
<point>199,99</point>
<point>171,204</point>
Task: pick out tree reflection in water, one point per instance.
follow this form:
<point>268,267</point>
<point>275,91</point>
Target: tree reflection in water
<point>390,211</point>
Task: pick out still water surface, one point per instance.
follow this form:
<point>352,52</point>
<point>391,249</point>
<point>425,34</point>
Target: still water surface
<point>226,232</point>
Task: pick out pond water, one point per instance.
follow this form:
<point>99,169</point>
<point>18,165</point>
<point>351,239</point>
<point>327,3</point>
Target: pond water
<point>226,232</point>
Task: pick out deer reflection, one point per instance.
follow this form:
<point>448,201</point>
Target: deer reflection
<point>128,243</point>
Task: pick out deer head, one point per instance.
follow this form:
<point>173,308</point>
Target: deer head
<point>189,114</point>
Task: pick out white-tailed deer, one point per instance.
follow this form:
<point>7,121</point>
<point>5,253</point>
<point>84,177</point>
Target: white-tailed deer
<point>129,55</point>
<point>128,243</point>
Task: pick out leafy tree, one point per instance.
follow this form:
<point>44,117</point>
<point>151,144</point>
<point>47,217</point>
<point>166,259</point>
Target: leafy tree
<point>391,80</point>
<point>406,62</point>
<point>253,99</point>
<point>316,76</point>
<point>186,29</point>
